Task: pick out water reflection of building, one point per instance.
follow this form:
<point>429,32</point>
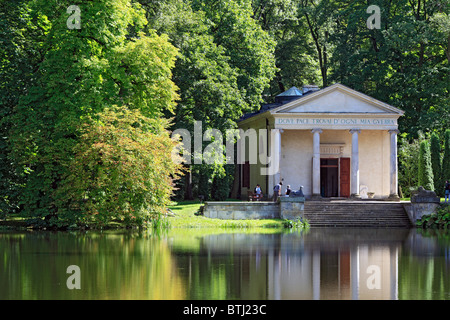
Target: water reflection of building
<point>337,268</point>
<point>360,272</point>
<point>331,264</point>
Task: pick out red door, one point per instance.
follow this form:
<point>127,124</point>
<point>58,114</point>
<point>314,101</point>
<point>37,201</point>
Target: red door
<point>344,176</point>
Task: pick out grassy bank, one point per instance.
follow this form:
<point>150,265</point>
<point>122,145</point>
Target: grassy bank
<point>185,217</point>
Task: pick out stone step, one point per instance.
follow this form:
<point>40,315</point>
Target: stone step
<point>382,213</point>
<point>356,221</point>
<point>352,210</point>
<point>352,225</point>
<point>359,220</point>
<point>331,211</point>
<point>352,219</point>
<point>326,214</point>
<point>358,214</point>
<point>317,208</point>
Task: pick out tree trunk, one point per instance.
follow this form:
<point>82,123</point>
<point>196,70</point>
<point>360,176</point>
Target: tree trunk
<point>235,189</point>
<point>188,186</point>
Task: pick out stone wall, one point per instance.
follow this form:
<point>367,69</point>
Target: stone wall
<point>292,208</point>
<point>239,210</point>
<point>287,208</point>
<point>423,202</point>
<point>416,210</point>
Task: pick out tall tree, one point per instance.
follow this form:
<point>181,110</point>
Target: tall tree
<point>20,32</point>
<point>295,52</point>
<point>407,163</point>
<point>249,48</point>
<point>435,149</point>
<point>446,158</point>
<point>224,64</point>
<point>403,63</point>
<point>425,170</point>
<point>81,72</point>
<point>318,16</point>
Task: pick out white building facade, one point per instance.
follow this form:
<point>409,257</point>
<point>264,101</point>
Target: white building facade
<point>334,142</point>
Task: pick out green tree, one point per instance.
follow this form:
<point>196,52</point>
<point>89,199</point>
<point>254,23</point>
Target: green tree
<point>249,48</point>
<point>404,63</point>
<point>224,64</point>
<point>435,150</point>
<point>80,73</point>
<point>425,170</point>
<point>446,158</point>
<point>222,183</point>
<point>229,57</point>
<point>119,171</point>
<point>408,164</point>
<point>295,53</point>
<point>202,182</point>
<point>319,20</point>
<point>21,31</point>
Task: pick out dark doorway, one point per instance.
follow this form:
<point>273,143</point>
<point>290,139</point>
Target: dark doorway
<point>329,177</point>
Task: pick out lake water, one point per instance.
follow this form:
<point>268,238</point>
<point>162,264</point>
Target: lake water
<point>194,264</point>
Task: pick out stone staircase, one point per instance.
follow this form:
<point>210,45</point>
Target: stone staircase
<point>370,214</point>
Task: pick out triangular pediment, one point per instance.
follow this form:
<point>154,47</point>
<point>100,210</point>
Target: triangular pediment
<point>337,99</point>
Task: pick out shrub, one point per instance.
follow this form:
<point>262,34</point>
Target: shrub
<point>122,170</point>
<point>299,223</point>
<point>408,165</point>
<point>441,219</point>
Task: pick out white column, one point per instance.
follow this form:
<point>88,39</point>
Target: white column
<point>277,154</point>
<point>273,166</point>
<point>354,182</point>
<point>394,166</point>
<point>316,163</point>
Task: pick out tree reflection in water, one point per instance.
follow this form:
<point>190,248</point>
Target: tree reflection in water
<point>197,264</point>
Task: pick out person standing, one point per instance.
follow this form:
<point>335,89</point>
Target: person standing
<point>447,191</point>
<point>277,191</point>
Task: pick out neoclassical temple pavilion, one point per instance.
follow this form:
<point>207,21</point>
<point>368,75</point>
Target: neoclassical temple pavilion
<point>334,142</point>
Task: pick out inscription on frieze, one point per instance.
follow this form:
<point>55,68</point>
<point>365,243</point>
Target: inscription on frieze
<point>337,121</point>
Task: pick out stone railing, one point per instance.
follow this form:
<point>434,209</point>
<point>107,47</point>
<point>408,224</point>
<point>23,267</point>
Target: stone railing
<point>423,202</point>
<point>240,210</point>
<point>286,208</point>
<point>292,208</point>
